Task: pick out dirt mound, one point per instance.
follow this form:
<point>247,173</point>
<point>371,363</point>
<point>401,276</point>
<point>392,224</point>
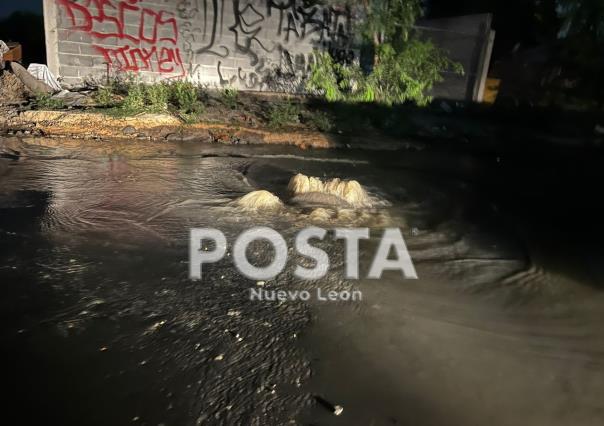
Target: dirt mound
<point>11,89</point>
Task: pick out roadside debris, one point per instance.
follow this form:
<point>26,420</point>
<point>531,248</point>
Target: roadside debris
<point>3,49</point>
<point>37,77</point>
<point>32,83</point>
<point>335,409</point>
<point>12,91</point>
<point>42,73</point>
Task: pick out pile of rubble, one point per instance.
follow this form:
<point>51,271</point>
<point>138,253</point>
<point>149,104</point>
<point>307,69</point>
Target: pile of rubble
<point>12,90</point>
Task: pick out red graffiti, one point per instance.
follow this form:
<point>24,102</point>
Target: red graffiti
<point>147,39</point>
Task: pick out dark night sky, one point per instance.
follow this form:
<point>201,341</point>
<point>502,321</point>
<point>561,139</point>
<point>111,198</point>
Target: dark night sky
<point>514,19</point>
<point>9,6</point>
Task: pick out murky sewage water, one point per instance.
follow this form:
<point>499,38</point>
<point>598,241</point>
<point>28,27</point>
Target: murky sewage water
<point>101,325</point>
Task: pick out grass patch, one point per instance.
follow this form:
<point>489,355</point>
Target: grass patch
<point>230,97</point>
<point>46,101</point>
<point>105,96</point>
<point>284,114</point>
<point>126,96</point>
<point>185,96</point>
<point>320,120</point>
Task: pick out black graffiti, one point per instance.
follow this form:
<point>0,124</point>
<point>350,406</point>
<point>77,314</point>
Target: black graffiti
<point>209,48</point>
<point>327,28</point>
<point>246,34</point>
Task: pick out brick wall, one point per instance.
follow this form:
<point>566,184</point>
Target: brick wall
<point>239,43</point>
<point>236,43</point>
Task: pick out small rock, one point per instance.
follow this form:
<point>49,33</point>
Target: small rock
<point>128,130</point>
<point>446,107</point>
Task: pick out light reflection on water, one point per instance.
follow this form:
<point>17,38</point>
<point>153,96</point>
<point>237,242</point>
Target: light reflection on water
<point>94,264</point>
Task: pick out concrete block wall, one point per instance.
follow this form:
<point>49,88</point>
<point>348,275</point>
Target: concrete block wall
<point>468,41</point>
<point>238,43</point>
<point>248,44</point>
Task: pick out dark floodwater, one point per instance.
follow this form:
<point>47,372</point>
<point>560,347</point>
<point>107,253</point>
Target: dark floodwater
<point>100,324</point>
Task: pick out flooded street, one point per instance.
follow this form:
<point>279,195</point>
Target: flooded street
<point>101,324</point>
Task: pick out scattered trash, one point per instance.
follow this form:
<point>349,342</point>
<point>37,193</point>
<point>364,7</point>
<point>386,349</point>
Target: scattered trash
<point>261,283</point>
<point>29,81</point>
<point>42,73</point>
<point>233,313</point>
<point>153,328</point>
<point>219,357</point>
<point>335,409</point>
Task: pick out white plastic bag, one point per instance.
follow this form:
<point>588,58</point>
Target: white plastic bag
<point>41,72</point>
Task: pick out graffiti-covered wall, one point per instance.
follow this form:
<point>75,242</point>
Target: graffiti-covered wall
<point>250,44</point>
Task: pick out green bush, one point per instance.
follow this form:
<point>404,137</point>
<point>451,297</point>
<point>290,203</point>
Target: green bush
<point>157,97</point>
<point>135,98</point>
<point>284,114</point>
<point>105,96</point>
<point>397,77</point>
<point>185,97</point>
<point>230,97</point>
<point>410,74</point>
<point>337,82</point>
<point>129,96</point>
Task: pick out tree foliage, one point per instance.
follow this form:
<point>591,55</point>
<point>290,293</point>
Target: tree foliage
<point>398,76</point>
<point>582,17</point>
<point>388,21</point>
<point>405,67</point>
